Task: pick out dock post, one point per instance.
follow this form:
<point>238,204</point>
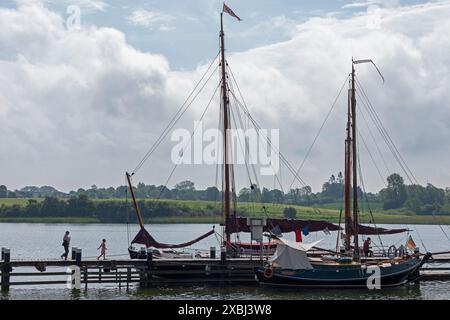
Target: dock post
<point>212,252</point>
<point>149,267</point>
<point>85,277</point>
<point>6,269</point>
<point>74,253</point>
<point>78,257</point>
<point>223,255</point>
<point>128,277</point>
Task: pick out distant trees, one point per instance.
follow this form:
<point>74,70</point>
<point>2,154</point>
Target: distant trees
<point>333,189</point>
<point>394,195</point>
<point>289,213</point>
<point>3,191</point>
<point>426,200</point>
<point>212,194</point>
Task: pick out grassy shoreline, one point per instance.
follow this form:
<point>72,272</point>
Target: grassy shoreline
<point>444,220</point>
<point>209,212</point>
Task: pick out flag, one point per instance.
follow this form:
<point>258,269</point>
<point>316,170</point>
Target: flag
<point>298,235</point>
<point>410,244</point>
<point>229,11</point>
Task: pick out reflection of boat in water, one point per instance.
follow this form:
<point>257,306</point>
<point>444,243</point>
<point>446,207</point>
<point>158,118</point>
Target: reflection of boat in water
<point>291,266</point>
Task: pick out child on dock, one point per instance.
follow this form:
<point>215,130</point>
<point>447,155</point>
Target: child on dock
<point>103,252</point>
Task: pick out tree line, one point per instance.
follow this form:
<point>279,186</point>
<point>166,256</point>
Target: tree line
<point>108,211</point>
<point>396,196</point>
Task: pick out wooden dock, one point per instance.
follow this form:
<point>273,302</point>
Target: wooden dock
<point>77,272</point>
<point>123,272</point>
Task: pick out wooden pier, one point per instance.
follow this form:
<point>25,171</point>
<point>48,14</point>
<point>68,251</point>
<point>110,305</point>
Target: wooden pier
<point>77,272</point>
<point>123,272</point>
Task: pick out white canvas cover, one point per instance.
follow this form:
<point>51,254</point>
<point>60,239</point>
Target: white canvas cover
<point>292,255</point>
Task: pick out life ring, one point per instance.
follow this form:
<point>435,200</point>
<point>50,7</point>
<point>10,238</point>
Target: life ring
<point>392,252</point>
<point>268,273</point>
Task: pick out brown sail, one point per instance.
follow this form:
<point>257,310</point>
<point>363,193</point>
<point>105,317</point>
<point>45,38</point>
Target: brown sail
<point>366,230</point>
<point>285,225</point>
<point>144,237</point>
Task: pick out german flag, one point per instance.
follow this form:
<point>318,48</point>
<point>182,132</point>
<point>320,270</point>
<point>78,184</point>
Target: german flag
<point>410,244</point>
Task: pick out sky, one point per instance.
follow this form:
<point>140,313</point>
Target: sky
<point>80,106</point>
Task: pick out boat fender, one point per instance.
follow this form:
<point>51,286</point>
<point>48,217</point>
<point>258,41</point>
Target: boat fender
<point>268,273</point>
<point>401,251</point>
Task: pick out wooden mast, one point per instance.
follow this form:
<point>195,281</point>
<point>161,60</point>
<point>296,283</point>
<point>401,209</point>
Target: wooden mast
<point>354,163</point>
<point>225,138</point>
<point>347,178</point>
<point>136,207</point>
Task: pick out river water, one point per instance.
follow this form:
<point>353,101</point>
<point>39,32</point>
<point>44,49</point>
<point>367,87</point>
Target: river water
<point>43,241</point>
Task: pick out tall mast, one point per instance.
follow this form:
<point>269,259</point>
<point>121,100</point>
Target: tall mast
<point>354,163</point>
<point>225,137</point>
<point>347,177</point>
<point>135,205</point>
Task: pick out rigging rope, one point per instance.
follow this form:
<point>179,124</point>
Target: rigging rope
<point>184,107</point>
<point>246,111</point>
<point>371,110</point>
<point>379,124</point>
<point>320,130</point>
<point>282,157</point>
<point>375,142</point>
<point>365,196</point>
<point>190,138</point>
<point>371,157</point>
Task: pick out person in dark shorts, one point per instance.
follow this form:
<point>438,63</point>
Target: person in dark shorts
<point>66,244</point>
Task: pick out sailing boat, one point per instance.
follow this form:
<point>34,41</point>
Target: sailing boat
<point>232,223</point>
<point>291,266</point>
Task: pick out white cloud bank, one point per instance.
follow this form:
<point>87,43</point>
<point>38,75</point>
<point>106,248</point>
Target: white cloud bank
<point>80,107</point>
<point>150,19</point>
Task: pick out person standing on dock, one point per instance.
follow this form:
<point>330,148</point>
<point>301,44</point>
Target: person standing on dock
<point>103,252</point>
<point>66,244</point>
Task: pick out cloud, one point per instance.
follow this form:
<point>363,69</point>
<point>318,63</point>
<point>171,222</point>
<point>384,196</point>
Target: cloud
<point>79,107</point>
<point>359,4</point>
<point>384,3</point>
<point>91,5</point>
<point>150,19</point>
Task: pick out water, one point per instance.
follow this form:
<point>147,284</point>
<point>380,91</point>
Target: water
<point>33,241</point>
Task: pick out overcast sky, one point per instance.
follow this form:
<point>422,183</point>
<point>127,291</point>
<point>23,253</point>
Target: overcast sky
<point>80,107</point>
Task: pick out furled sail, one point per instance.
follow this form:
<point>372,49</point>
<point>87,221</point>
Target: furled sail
<point>373,231</point>
<point>145,238</point>
<point>239,224</point>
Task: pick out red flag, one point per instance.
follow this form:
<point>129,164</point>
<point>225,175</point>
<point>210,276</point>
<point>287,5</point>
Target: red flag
<point>229,11</point>
<point>298,235</point>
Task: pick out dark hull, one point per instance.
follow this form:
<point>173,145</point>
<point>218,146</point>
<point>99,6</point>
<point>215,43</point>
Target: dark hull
<point>341,276</point>
<point>137,254</point>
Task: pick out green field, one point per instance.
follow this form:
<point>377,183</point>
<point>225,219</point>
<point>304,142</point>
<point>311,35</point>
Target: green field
<point>329,212</point>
